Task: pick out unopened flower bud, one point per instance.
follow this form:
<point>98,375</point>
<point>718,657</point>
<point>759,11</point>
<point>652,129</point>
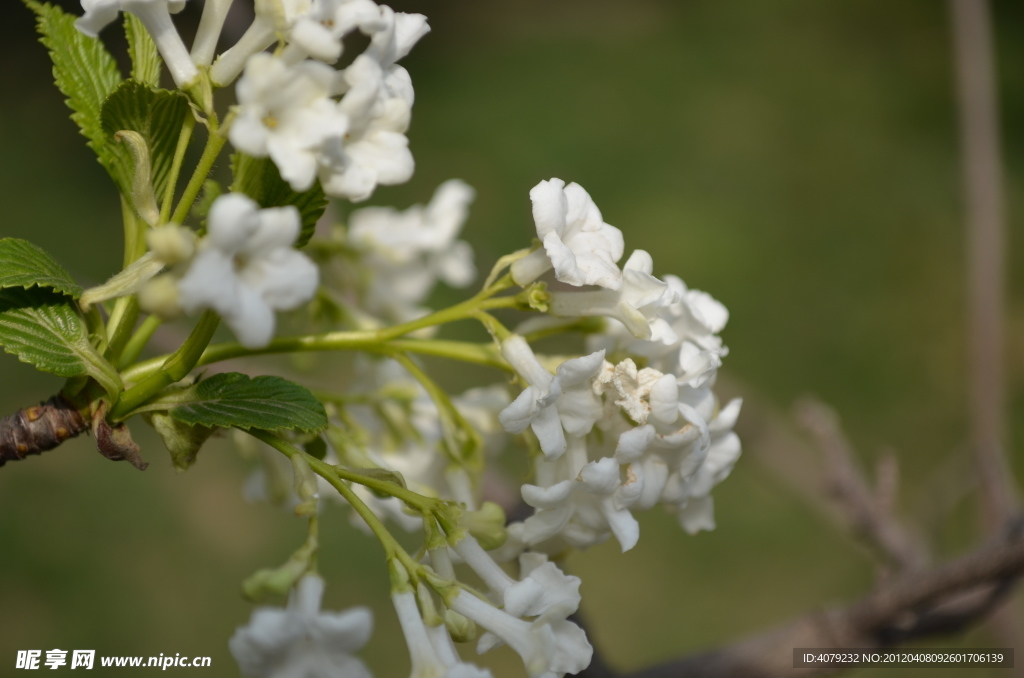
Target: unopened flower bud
<point>487,525</point>
<point>462,630</point>
<point>160,297</point>
<point>305,487</point>
<point>171,243</point>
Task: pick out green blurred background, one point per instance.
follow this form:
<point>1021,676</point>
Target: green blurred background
<point>797,159</point>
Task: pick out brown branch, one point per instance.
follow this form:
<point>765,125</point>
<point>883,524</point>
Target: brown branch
<point>983,192</point>
<point>38,429</point>
<point>870,513</point>
<point>943,599</point>
<point>977,102</point>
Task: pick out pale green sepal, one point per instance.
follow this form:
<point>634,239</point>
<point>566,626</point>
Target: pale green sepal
<point>182,441</point>
<point>462,630</point>
<point>128,281</point>
<point>142,196</point>
<point>280,580</point>
<point>487,525</point>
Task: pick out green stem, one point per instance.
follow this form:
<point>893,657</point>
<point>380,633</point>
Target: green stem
<point>139,340</point>
<point>460,439</point>
<point>498,331</point>
<point>479,354</point>
<point>94,323</point>
<point>172,178</point>
<point>337,477</point>
<point>384,340</point>
<point>174,368</point>
<point>122,323</point>
<point>134,233</point>
<point>214,143</point>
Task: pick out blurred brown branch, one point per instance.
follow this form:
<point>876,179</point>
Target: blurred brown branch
<point>942,599</point>
<point>913,601</point>
<point>983,193</point>
<point>871,512</point>
<point>978,104</point>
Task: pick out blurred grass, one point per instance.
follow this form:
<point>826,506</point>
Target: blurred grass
<point>796,159</point>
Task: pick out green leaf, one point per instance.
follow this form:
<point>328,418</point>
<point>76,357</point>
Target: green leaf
<point>259,179</point>
<point>146,61</point>
<point>156,114</point>
<point>182,440</point>
<point>45,330</point>
<point>234,400</point>
<point>82,68</point>
<point>24,265</point>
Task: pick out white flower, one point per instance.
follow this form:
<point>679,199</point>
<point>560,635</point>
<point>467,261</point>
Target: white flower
<point>636,390</point>
<point>432,653</point>
<point>581,248</point>
<point>246,268</point>
<point>543,590</point>
<point>692,493</point>
<point>582,502</point>
<point>549,648</point>
<point>319,32</point>
<point>693,317</point>
<point>285,112</point>
<point>551,403</point>
<point>399,35</point>
<point>273,17</point>
<point>637,304</point>
<point>215,12</point>
<point>407,252</point>
<point>156,16</point>
<point>302,641</point>
<point>375,150</point>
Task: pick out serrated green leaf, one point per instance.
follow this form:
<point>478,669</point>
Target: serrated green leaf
<point>146,61</point>
<point>156,114</point>
<point>83,69</point>
<point>235,400</point>
<point>44,329</point>
<point>24,265</point>
<point>259,179</point>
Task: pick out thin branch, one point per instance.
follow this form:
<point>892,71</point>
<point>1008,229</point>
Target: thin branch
<point>943,599</point>
<point>977,101</point>
<point>983,192</point>
<point>869,512</point>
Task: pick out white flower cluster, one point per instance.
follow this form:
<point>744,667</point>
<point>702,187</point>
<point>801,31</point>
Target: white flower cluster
<point>631,425</point>
<point>301,640</point>
<point>288,102</point>
<point>616,438</point>
<point>402,255</point>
